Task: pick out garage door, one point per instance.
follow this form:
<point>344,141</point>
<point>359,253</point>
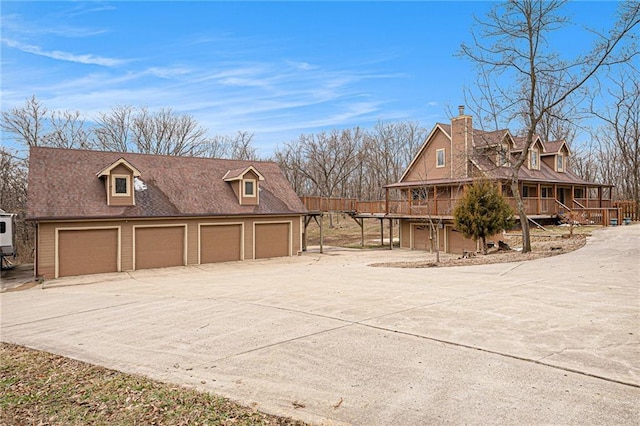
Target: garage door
<point>272,240</point>
<point>159,247</point>
<point>90,251</point>
<point>421,238</point>
<point>457,243</point>
<point>220,243</point>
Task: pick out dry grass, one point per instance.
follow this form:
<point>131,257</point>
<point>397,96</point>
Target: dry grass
<point>38,388</point>
<point>546,242</point>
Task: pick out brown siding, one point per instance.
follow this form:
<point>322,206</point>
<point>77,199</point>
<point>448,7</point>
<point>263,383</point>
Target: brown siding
<point>220,243</point>
<point>271,240</point>
<point>89,251</point>
<point>425,165</point>
<point>405,234</point>
<point>159,247</point>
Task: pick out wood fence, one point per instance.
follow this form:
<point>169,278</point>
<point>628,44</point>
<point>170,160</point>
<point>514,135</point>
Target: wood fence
<point>628,208</point>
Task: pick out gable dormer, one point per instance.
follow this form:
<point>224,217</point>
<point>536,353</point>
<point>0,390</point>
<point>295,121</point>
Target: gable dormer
<point>534,154</point>
<point>245,183</point>
<point>556,156</point>
<point>119,183</point>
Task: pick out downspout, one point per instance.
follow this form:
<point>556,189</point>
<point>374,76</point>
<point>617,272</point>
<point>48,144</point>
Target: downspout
<point>35,252</point>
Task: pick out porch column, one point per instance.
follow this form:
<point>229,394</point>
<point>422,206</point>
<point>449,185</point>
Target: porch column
<point>386,200</point>
<point>435,200</point>
<point>539,207</point>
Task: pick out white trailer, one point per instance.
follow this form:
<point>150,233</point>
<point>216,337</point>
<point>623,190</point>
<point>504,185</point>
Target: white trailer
<point>7,238</point>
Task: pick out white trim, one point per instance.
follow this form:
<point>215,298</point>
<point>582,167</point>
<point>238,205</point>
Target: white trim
<point>560,156</point>
<point>200,225</point>
<point>113,185</point>
<point>107,170</point>
<point>444,158</point>
<point>241,175</point>
<point>289,222</point>
<point>172,225</point>
<point>56,248</point>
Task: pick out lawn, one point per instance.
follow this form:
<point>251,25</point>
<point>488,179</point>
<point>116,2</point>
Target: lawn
<point>39,388</point>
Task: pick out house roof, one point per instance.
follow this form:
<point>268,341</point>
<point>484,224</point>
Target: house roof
<point>545,174</point>
<point>63,185</point>
<point>237,174</point>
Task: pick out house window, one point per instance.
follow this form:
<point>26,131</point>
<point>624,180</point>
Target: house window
<point>418,194</point>
<point>120,185</point>
<point>578,192</point>
<point>547,192</point>
<point>503,156</point>
<point>249,188</point>
<point>559,162</point>
<point>534,164</point>
<point>440,157</point>
<point>3,227</point>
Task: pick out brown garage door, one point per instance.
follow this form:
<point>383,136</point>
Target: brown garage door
<point>272,240</point>
<point>457,243</point>
<point>159,247</point>
<point>220,243</point>
<point>421,238</point>
<point>87,251</point>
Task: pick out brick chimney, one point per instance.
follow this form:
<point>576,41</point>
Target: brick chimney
<point>461,144</point>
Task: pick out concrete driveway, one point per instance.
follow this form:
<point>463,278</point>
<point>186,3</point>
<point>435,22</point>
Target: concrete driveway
<point>328,339</point>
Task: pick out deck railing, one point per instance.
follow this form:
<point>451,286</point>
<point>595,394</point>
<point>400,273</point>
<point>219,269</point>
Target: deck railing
<point>592,213</point>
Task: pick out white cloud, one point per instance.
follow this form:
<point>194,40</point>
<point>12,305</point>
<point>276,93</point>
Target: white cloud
<point>88,59</point>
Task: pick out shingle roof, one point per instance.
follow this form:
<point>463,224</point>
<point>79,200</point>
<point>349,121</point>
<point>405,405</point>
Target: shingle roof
<point>63,184</point>
<point>545,174</point>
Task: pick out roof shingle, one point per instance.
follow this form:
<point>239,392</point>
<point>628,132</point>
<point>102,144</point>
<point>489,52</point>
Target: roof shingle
<point>63,184</point>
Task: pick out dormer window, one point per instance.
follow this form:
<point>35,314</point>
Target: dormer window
<point>249,188</point>
<point>560,163</point>
<point>245,183</point>
<point>503,156</point>
<point>121,185</point>
<point>534,159</point>
<point>118,180</point>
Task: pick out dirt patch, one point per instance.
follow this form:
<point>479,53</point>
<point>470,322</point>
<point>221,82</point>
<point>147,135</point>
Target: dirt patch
<point>541,246</point>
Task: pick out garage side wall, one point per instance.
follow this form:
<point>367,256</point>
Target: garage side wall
<point>48,248</point>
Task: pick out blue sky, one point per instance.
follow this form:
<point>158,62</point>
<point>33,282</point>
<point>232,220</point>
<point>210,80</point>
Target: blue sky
<point>277,69</point>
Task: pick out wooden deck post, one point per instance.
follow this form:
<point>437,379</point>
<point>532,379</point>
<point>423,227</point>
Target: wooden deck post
<point>539,204</point>
<point>390,234</point>
<point>381,232</point>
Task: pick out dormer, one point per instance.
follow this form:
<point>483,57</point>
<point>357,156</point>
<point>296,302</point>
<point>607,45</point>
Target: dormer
<point>245,183</point>
<point>534,154</point>
<point>118,182</point>
<point>556,156</point>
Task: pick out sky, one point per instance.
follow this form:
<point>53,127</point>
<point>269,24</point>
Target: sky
<point>274,69</point>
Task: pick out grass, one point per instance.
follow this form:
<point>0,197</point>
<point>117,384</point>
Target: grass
<point>39,388</point>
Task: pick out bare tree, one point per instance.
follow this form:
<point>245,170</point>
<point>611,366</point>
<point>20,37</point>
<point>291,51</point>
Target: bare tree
<point>67,130</point>
<point>619,137</point>
<point>113,129</point>
<point>13,199</point>
<point>26,123</point>
<point>166,133</point>
<point>512,50</point>
<point>241,147</point>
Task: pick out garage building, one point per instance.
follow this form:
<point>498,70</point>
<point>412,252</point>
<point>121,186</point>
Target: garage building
<point>97,212</point>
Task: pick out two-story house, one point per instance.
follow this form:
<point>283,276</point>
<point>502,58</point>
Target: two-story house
<point>455,154</point>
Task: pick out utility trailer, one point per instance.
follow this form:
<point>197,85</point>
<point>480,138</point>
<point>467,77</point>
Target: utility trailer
<point>7,238</point>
